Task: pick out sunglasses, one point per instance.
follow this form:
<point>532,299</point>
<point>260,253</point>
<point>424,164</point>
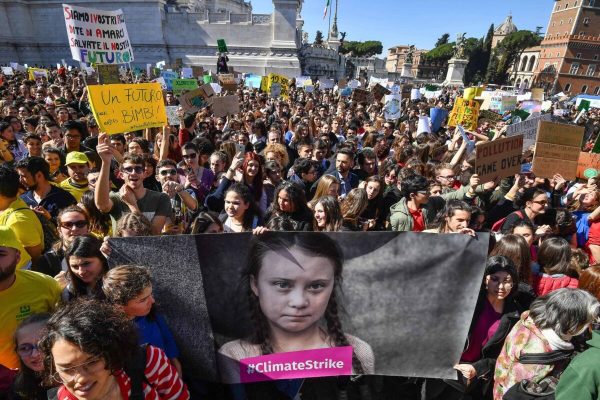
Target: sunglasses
<point>166,172</point>
<point>189,156</point>
<point>77,224</point>
<point>130,170</point>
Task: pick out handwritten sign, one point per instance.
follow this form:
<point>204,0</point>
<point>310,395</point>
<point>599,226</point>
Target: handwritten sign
<point>227,82</point>
<point>181,85</point>
<point>8,71</point>
<point>557,150</point>
<point>465,113</point>
<point>392,108</point>
<point>196,99</point>
<point>97,36</point>
<point>586,162</point>
<point>226,105</point>
<point>499,158</point>
<point>127,107</point>
<point>528,129</point>
<point>282,81</point>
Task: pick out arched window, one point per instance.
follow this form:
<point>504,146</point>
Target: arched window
<point>531,63</point>
<point>584,89</point>
<point>526,84</point>
<point>518,82</point>
<point>568,87</point>
<point>597,90</point>
<point>523,63</point>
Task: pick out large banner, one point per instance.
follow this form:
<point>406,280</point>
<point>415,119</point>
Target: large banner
<point>127,107</point>
<point>97,36</point>
<point>402,302</point>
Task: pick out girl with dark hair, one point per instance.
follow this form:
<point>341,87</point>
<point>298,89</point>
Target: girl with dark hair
<point>554,259</point>
<point>495,314</point>
<point>16,147</point>
<point>352,206</point>
<point>100,224</point>
<point>241,213</point>
<point>87,266</point>
<point>374,212</point>
<point>532,202</point>
<point>129,287</point>
<point>28,384</point>
<point>253,178</point>
<point>313,262</point>
<point>273,178</point>
<point>289,199</point>
<point>58,172</point>
<point>97,338</point>
<point>328,215</point>
<point>207,222</point>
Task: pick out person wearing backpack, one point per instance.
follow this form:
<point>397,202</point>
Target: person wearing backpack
<point>91,349</point>
<point>532,202</point>
<point>548,327</point>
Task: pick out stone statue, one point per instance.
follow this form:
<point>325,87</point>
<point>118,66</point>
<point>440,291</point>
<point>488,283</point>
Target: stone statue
<point>459,48</point>
<point>304,37</point>
<point>410,54</point>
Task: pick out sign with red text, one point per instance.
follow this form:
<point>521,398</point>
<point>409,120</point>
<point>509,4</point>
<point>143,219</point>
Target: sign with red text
<point>131,107</point>
<point>499,158</point>
<point>97,36</point>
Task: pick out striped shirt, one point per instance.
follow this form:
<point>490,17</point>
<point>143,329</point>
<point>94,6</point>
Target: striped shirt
<point>162,380</point>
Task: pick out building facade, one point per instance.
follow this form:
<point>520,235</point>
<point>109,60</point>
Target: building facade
<point>522,71</point>
<point>503,30</point>
<point>569,59</point>
<point>422,68</point>
<point>34,32</point>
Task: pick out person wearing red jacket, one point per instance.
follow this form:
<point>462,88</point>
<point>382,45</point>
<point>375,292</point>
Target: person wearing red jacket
<point>554,258</point>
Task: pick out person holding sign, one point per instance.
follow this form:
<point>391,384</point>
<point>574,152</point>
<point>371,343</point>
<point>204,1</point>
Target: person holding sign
<point>292,282</point>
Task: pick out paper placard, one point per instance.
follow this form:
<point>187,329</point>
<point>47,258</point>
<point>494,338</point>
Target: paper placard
<point>182,85</point>
<point>283,83</point>
<point>187,73</point>
<point>97,36</point>
<point>415,94</point>
<point>465,113</point>
<point>528,129</point>
<point>424,124</point>
<point>253,81</point>
<point>226,105</point>
<point>379,91</point>
<point>196,99</point>
<point>124,108</point>
<point>169,76</point>
<point>173,115</point>
<point>559,146</point>
<point>325,83</point>
<point>37,73</point>
<point>393,107</point>
<point>499,158</point>
<point>8,71</point>
<point>437,116</point>
<point>354,83</point>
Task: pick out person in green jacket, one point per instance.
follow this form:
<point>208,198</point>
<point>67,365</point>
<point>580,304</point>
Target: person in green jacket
<point>581,379</point>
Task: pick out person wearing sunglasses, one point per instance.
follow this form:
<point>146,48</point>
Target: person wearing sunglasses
<point>28,383</point>
<point>197,177</point>
<point>72,221</point>
<point>183,201</point>
<point>133,196</point>
<point>531,203</point>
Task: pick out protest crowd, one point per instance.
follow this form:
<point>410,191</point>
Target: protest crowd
<point>304,159</point>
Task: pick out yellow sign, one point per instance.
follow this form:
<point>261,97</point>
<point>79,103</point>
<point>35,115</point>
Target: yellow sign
<point>127,107</point>
<point>37,73</point>
<point>472,92</point>
<point>465,113</point>
<point>278,85</point>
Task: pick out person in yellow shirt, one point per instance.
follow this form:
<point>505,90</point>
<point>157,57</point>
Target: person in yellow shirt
<point>22,293</point>
<point>78,166</point>
<point>15,214</point>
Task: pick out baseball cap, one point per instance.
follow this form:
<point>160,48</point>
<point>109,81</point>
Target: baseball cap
<point>8,238</point>
<point>76,157</point>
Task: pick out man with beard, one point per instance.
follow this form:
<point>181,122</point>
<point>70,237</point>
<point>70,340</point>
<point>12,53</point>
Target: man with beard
<point>78,167</point>
<point>183,201</point>
<point>43,197</point>
<point>22,293</point>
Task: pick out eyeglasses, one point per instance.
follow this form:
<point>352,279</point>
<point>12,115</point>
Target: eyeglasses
<point>166,172</point>
<point>72,136</point>
<point>26,349</point>
<point>130,170</point>
<point>540,202</point>
<point>77,224</point>
<point>68,375</point>
<point>449,177</point>
<point>189,156</point>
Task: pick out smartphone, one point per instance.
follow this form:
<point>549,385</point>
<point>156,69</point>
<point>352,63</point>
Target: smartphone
<point>240,148</point>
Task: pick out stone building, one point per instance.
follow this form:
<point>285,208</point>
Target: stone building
<point>503,30</point>
<point>523,70</point>
<point>34,32</point>
<point>422,68</point>
<point>570,51</point>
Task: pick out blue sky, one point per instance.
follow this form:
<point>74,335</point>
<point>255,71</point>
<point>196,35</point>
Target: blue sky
<point>419,22</point>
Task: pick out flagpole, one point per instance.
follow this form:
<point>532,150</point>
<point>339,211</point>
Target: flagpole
<point>329,28</point>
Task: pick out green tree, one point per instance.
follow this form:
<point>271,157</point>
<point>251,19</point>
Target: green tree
<point>319,38</point>
<point>362,49</point>
<point>510,49</point>
<point>442,40</point>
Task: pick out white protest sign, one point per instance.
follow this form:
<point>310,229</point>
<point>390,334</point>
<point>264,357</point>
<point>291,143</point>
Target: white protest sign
<point>8,71</point>
<point>97,36</point>
<point>216,87</point>
<point>326,83</point>
<point>392,108</point>
<point>300,80</point>
<point>187,72</point>
<point>546,105</point>
<point>415,94</point>
<point>523,97</point>
<point>424,125</point>
<point>172,115</point>
<point>354,84</point>
<point>528,129</point>
<point>309,88</point>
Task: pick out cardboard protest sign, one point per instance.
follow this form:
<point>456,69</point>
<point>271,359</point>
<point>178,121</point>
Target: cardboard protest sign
<point>528,129</point>
<point>489,115</point>
<point>169,76</point>
<point>131,107</point>
<point>499,158</point>
<point>172,115</point>
<point>362,96</point>
<point>379,91</point>
<point>227,82</point>
<point>226,105</point>
<point>438,116</point>
<point>588,164</point>
<point>8,71</point>
<point>97,36</point>
<point>37,73</point>
<point>281,86</point>
<point>222,46</point>
<point>557,150</point>
<point>200,282</point>
<point>196,99</point>
<point>181,85</point>
<point>393,107</point>
<point>465,113</point>
<point>537,94</point>
<point>108,74</point>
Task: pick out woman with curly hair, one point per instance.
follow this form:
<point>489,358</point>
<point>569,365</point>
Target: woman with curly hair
<point>290,200</point>
<point>87,348</point>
